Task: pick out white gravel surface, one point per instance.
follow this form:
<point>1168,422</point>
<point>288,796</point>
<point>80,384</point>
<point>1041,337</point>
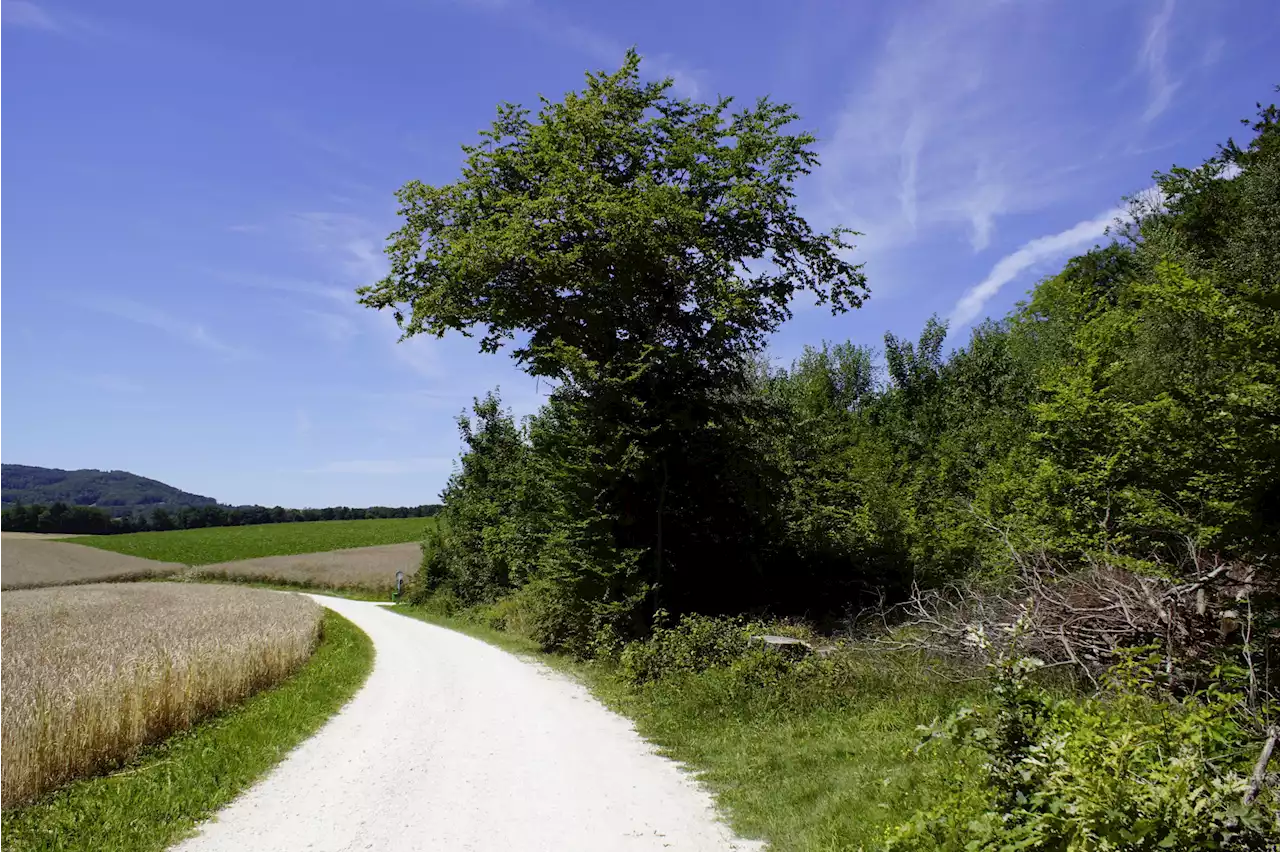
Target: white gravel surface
<point>453,744</point>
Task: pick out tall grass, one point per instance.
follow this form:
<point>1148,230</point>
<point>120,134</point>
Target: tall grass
<point>93,673</point>
<point>811,758</point>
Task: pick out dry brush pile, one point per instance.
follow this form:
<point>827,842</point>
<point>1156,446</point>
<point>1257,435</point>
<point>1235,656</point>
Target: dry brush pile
<point>93,673</point>
<point>1197,614</point>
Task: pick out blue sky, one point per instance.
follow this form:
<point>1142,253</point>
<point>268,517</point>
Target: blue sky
<point>193,191</point>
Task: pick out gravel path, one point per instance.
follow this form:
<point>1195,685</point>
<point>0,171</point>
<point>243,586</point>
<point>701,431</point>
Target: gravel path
<point>453,744</point>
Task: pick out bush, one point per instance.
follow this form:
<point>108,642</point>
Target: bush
<point>694,645</point>
<point>509,615</point>
<point>1123,771</point>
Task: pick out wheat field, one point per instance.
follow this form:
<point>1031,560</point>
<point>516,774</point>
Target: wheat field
<point>27,561</point>
<point>372,569</point>
<point>93,673</point>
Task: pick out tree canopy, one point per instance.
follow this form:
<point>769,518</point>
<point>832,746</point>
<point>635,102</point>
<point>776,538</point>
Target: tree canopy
<point>622,221</point>
<point>639,249</point>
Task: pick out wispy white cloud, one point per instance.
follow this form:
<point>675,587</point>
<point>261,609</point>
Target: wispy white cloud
<point>60,22</point>
<point>945,130</point>
<point>417,353</point>
<point>192,333</point>
<point>355,242</point>
<point>1213,51</point>
<point>557,29</point>
<point>352,245</point>
<point>1042,249</point>
<point>302,135</point>
<point>1075,239</point>
<point>387,467</point>
<point>333,327</point>
<point>327,311</point>
<point>21,13</point>
<point>295,286</point>
<point>1153,59</point>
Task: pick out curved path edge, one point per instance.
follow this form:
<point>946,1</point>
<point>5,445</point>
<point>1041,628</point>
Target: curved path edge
<point>453,744</point>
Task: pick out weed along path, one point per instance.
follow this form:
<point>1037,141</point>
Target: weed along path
<point>455,745</point>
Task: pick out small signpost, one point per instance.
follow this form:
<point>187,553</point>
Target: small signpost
<point>399,584</point>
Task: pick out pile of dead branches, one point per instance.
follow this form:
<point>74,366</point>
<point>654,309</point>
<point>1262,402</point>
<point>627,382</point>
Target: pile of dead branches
<point>1198,614</point>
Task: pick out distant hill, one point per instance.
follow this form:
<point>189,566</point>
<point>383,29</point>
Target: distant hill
<point>117,491</point>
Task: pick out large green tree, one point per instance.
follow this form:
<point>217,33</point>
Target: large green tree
<point>636,248</point>
<point>622,221</point>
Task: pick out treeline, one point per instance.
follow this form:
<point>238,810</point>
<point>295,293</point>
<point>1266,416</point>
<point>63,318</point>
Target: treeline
<point>1127,412</point>
<point>61,517</point>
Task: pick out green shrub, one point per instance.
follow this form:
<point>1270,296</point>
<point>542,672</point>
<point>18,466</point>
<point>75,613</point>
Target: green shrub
<point>514,614</point>
<point>695,644</point>
<point>1122,771</point>
<point>720,652</point>
<point>433,569</point>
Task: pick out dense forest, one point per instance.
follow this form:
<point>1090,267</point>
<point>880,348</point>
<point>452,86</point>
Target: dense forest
<point>1117,434</point>
<point>1126,408</point>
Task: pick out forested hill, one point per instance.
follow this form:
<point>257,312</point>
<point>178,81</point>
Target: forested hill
<point>96,502</point>
<point>117,491</point>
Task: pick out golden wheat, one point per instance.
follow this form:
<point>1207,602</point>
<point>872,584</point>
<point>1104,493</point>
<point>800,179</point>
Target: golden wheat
<point>370,568</point>
<point>93,673</point>
<point>32,562</point>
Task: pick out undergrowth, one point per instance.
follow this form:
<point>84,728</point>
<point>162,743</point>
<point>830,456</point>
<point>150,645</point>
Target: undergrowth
<point>1127,770</point>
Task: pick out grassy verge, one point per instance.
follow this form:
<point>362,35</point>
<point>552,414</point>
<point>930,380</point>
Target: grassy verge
<point>353,593</point>
<point>833,776</point>
<point>163,794</point>
<point>212,545</point>
<point>818,764</point>
<point>520,645</point>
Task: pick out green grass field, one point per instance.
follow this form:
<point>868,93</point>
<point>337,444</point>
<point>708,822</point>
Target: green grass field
<point>227,544</point>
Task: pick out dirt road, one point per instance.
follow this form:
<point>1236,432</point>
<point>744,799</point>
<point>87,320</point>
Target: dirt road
<point>457,746</point>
